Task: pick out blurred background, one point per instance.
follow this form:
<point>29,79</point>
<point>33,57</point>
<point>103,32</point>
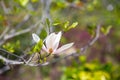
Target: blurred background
<point>20,18</point>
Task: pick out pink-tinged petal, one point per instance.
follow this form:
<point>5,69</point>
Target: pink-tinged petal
<point>44,48</point>
<point>64,47</point>
<point>50,40</point>
<point>57,40</point>
<point>35,37</point>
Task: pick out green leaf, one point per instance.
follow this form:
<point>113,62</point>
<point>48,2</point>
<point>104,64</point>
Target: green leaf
<point>106,30</point>
<point>43,34</point>
<point>55,24</point>
<point>73,25</point>
<point>66,24</point>
<point>103,29</point>
<point>1,17</point>
<point>67,27</point>
<point>11,47</point>
<point>91,29</point>
<point>23,2</point>
<point>34,1</point>
<point>48,22</point>
<point>38,46</point>
<point>82,59</point>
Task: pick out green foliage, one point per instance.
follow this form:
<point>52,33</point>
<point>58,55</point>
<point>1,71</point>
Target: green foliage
<point>66,25</point>
<point>106,30</point>
<point>82,59</point>
<point>12,46</point>
<point>91,29</point>
<point>88,13</point>
<point>23,2</point>
<point>48,22</point>
<point>90,71</point>
<point>38,46</point>
<point>43,34</point>
<point>73,25</point>
<point>58,4</point>
<point>56,23</point>
<point>34,1</point>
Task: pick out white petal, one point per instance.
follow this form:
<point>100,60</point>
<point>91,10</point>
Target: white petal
<point>57,40</point>
<point>35,37</point>
<point>44,48</point>
<point>50,40</point>
<point>64,47</point>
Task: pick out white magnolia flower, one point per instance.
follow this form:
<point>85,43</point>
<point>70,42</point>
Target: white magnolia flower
<point>51,43</point>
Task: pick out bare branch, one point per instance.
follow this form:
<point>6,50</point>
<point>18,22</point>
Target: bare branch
<point>25,19</point>
<point>9,36</point>
<point>29,60</point>
<point>93,40</point>
<point>4,32</point>
<point>5,68</point>
<point>7,61</point>
<point>45,14</point>
<point>6,10</point>
<point>6,52</point>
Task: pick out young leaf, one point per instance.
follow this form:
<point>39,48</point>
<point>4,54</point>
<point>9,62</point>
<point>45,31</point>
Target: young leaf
<point>73,25</point>
<point>48,22</point>
<point>55,24</point>
<point>106,30</point>
<point>38,46</point>
<point>43,34</point>
<point>66,24</point>
<point>23,2</point>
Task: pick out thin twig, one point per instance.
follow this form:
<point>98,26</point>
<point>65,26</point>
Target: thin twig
<point>6,52</point>
<point>25,19</point>
<point>93,40</point>
<point>13,62</point>
<point>45,14</point>
<point>5,68</point>
<point>4,32</point>
<point>4,7</point>
<point>29,60</point>
<point>9,36</point>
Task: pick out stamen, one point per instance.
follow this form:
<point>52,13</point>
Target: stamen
<point>50,50</point>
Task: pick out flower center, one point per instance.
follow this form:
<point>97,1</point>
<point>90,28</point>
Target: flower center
<point>50,50</point>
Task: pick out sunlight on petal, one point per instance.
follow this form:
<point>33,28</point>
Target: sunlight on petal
<point>64,47</point>
<point>44,48</point>
<point>49,40</point>
<point>35,37</point>
<point>57,40</point>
